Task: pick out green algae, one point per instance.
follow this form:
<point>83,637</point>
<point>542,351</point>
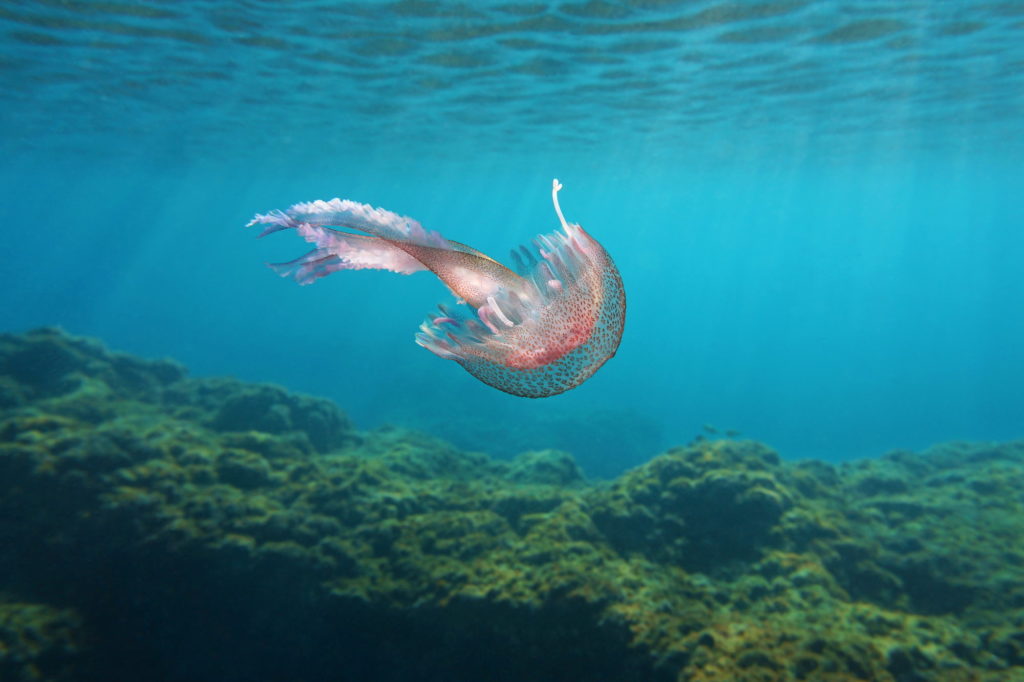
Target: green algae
<point>144,511</point>
<point>37,642</point>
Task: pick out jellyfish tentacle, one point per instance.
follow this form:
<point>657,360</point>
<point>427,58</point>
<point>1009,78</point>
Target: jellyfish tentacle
<point>556,186</point>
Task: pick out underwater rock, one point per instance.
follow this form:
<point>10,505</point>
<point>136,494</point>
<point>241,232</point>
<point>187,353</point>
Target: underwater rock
<point>47,363</point>
<point>38,642</point>
<point>699,507</point>
<point>949,533</point>
<point>179,521</point>
<point>421,456</point>
<point>226,404</point>
<point>591,435</point>
<point>79,378</point>
<point>545,467</point>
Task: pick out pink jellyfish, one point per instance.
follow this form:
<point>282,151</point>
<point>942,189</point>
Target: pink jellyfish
<point>538,331</point>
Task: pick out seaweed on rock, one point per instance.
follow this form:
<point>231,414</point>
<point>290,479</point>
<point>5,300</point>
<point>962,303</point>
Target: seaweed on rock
<point>162,527</point>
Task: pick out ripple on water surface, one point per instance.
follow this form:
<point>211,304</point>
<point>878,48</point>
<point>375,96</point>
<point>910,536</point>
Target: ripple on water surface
<point>413,70</point>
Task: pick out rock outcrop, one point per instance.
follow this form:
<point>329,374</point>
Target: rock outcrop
<point>162,527</point>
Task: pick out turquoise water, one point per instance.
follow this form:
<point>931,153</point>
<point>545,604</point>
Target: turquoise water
<point>815,206</point>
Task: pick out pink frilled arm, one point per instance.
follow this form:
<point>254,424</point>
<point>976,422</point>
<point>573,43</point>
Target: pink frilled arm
<point>345,213</point>
<point>535,332</point>
<point>342,251</point>
<point>338,250</point>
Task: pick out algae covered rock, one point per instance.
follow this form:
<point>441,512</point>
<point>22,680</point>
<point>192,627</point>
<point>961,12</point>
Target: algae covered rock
<point>79,378</point>
<point>701,507</point>
<point>421,456</point>
<point>157,526</point>
<point>545,467</point>
<point>947,524</point>
<point>47,363</point>
<point>38,642</point>
<point>230,405</point>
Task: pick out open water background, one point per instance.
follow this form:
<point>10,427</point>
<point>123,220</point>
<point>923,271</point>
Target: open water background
<point>815,206</point>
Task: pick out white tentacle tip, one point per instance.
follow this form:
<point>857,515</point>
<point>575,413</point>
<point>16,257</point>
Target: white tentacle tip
<point>555,186</point>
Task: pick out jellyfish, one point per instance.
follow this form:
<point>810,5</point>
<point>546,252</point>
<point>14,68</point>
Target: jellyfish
<point>537,329</point>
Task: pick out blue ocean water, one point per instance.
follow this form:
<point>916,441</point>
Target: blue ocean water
<point>815,206</point>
